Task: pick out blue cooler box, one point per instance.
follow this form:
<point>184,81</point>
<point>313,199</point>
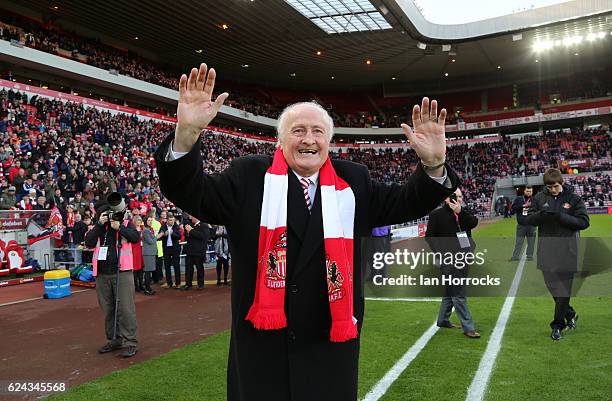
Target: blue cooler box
<point>57,284</point>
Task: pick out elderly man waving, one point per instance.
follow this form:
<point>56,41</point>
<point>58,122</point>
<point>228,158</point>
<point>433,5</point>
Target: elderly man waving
<point>294,222</point>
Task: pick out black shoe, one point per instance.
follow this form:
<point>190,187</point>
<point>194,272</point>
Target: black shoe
<point>129,352</point>
<point>571,323</point>
<point>149,292</point>
<point>200,287</point>
<point>556,334</point>
<point>169,285</point>
<point>109,347</point>
<point>218,283</point>
<point>513,259</point>
<point>177,286</point>
<point>225,282</point>
<point>185,288</point>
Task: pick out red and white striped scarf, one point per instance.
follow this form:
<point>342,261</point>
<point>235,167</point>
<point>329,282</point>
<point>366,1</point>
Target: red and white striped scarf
<point>338,210</point>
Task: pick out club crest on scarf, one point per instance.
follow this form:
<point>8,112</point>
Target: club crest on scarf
<point>276,263</point>
<point>335,291</point>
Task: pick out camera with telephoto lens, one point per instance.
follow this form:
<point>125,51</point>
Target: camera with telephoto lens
<point>118,208</point>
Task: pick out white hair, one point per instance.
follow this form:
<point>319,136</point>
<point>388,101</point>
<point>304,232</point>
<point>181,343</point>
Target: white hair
<point>281,127</point>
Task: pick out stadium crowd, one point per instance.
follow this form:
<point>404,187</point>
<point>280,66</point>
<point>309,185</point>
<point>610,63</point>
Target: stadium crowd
<point>57,150</point>
<point>595,189</point>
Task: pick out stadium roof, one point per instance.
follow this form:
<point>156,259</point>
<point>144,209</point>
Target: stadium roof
<point>448,12</point>
<point>289,43</point>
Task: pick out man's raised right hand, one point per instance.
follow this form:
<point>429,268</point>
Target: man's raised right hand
<point>195,108</point>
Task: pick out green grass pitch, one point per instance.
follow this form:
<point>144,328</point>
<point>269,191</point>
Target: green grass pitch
<point>529,366</point>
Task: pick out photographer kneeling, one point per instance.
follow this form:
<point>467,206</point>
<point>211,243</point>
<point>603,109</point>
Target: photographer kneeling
<point>112,239</point>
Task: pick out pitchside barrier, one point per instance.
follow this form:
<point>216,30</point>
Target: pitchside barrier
<point>417,228</point>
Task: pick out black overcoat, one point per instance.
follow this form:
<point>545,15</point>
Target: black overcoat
<point>297,363</point>
<point>558,235</point>
<point>197,240</point>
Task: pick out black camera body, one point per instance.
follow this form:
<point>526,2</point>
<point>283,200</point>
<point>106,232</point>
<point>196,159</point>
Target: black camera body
<point>112,216</point>
<point>116,216</point>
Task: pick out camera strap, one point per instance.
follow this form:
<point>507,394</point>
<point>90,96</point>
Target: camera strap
<point>103,252</point>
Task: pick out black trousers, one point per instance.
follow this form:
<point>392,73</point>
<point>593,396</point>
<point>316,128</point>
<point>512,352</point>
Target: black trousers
<point>560,286</point>
<point>172,260</point>
<point>158,274</point>
<point>138,276</point>
<point>222,264</point>
<point>147,280</point>
<point>192,261</point>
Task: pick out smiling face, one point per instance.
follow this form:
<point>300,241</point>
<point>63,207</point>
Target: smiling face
<point>304,138</point>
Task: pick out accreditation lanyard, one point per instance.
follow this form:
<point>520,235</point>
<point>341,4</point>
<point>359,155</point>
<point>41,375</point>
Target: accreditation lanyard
<point>462,237</point>
<point>526,206</point>
<point>103,253</point>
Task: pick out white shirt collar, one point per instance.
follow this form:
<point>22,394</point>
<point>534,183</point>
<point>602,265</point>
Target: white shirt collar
<point>314,179</point>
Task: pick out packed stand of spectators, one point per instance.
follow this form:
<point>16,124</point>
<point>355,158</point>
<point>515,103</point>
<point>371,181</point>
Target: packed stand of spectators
<point>52,39</point>
<point>62,154</point>
<point>242,101</point>
<point>395,165</point>
<point>595,190</point>
<point>218,150</point>
<point>53,153</point>
<point>368,119</point>
<point>553,146</point>
<point>91,51</point>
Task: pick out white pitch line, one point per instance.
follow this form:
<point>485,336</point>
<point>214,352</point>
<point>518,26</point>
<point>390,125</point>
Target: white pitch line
<point>405,299</point>
<point>37,298</point>
<point>383,384</point>
<point>476,391</point>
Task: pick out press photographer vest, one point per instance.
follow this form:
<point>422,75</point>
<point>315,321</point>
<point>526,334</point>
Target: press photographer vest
<point>126,259</point>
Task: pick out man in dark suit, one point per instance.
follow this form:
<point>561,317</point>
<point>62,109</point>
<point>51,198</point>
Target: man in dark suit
<point>449,229</point>
<point>170,234</point>
<point>521,205</point>
<point>196,235</point>
<point>298,361</point>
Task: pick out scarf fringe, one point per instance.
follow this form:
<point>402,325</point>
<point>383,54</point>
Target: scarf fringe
<point>343,331</point>
<point>267,319</point>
